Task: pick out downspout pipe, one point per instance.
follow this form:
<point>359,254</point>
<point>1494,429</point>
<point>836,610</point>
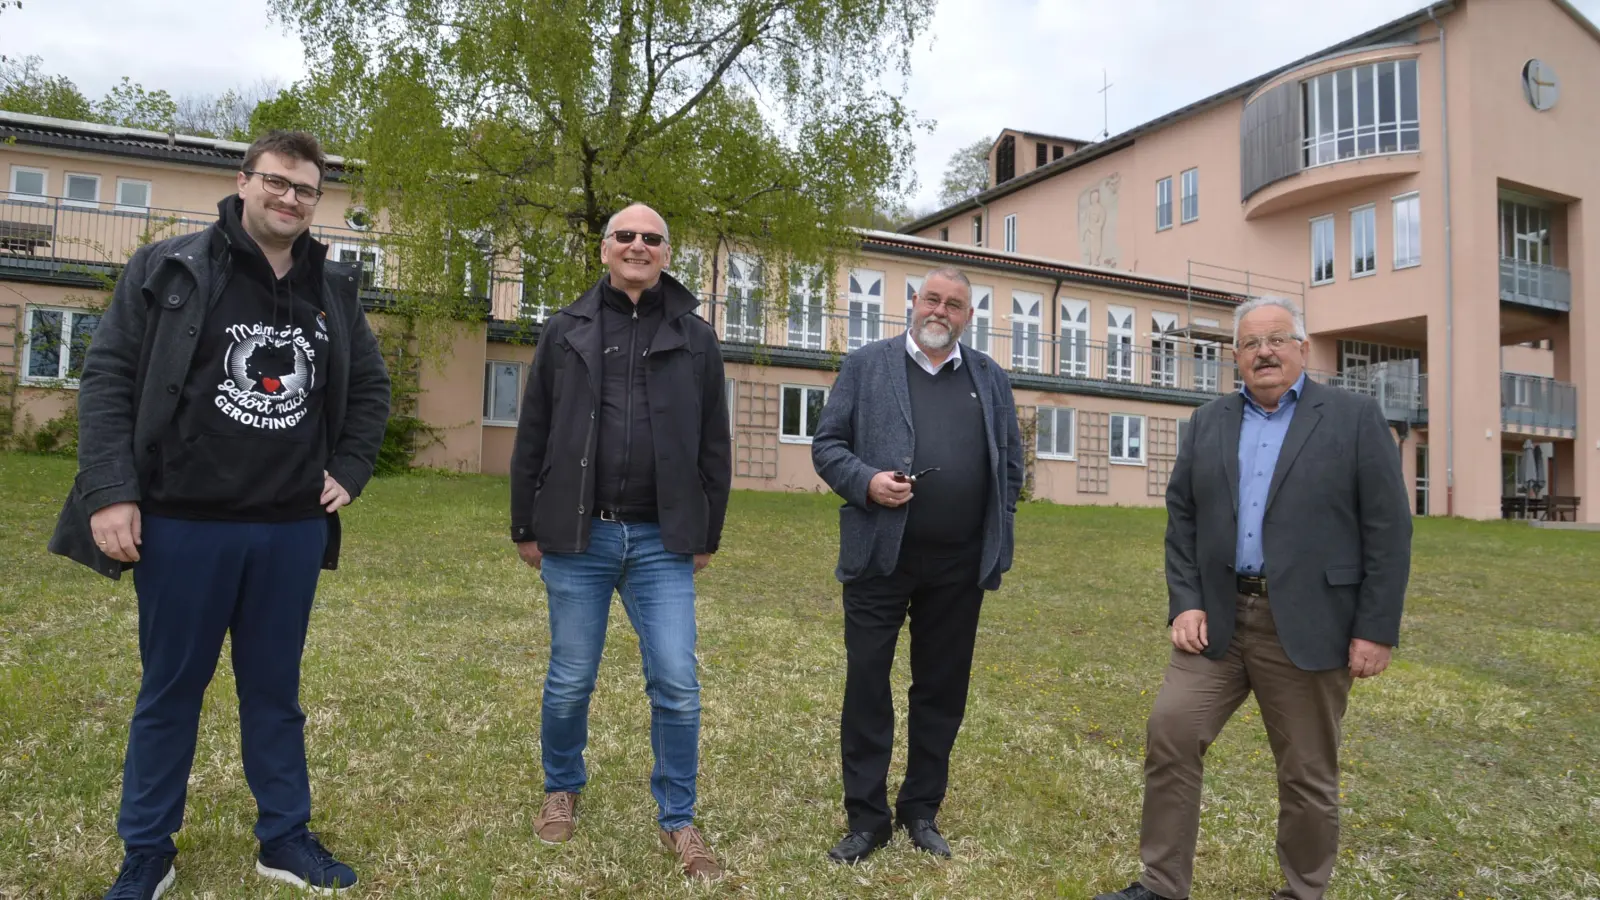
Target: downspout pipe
<point>1449,283</point>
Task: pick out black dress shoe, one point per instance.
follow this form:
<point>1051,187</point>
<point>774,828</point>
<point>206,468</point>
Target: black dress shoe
<point>925,836</point>
<point>1135,891</point>
<point>857,846</point>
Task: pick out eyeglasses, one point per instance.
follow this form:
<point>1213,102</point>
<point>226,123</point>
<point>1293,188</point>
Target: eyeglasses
<point>1273,342</point>
<point>952,305</point>
<point>650,238</point>
<point>278,185</point>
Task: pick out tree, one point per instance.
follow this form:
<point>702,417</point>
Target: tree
<point>967,172</point>
<point>25,89</point>
<point>760,122</point>
<point>227,116</point>
<point>128,104</point>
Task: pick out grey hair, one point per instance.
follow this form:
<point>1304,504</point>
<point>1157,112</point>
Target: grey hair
<point>613,220</point>
<point>950,273</point>
<point>1256,303</point>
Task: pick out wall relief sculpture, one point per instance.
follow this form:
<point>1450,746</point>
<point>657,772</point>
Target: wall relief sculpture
<point>1097,222</point>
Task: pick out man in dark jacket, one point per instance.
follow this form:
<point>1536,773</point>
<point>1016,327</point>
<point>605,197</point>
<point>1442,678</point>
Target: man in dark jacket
<point>233,399</point>
<point>920,438</point>
<point>619,482</point>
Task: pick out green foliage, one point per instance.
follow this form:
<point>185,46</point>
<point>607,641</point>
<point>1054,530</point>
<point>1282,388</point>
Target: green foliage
<point>498,124</point>
<point>405,434</point>
<point>1028,424</point>
<point>967,172</point>
<point>128,104</point>
<point>58,435</point>
<point>24,88</point>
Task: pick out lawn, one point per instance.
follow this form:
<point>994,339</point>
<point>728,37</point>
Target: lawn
<point>1470,767</point>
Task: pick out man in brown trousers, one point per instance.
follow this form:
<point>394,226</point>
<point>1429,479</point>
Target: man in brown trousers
<point>1288,550</point>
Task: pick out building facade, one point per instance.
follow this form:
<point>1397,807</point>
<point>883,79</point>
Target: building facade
<point>1420,190</point>
<point>1432,186</point>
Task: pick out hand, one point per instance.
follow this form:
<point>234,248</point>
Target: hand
<point>1368,658</point>
<point>333,493</point>
<point>529,551</point>
<point>701,560</point>
<point>117,531</point>
<point>885,491</point>
<point>1189,631</point>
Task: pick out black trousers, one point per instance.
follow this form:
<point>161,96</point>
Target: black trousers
<point>939,587</point>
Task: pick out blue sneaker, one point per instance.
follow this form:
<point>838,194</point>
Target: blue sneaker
<point>144,876</point>
<point>302,861</point>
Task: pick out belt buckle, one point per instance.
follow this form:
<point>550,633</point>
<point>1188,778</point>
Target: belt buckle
<point>608,515</point>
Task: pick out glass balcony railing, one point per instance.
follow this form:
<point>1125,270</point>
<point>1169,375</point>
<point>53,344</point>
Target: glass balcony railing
<point>1529,401</point>
<point>1533,284</point>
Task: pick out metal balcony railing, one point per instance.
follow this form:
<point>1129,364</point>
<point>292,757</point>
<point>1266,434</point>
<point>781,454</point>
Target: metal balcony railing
<point>1533,284</point>
<point>1530,401</point>
<point>1402,394</point>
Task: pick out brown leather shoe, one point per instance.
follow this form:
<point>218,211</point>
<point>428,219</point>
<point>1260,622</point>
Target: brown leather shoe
<point>557,817</point>
<point>691,850</point>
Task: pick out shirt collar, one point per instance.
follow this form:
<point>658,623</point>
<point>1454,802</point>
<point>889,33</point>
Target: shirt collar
<point>953,360</point>
<point>1290,397</point>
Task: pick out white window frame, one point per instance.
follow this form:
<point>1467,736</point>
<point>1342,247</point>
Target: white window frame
<point>488,386</point>
<point>1074,338</point>
<point>64,347</point>
<point>1411,202</point>
<point>981,333</point>
<point>1364,234</point>
<point>1126,459</point>
<point>66,194</point>
<point>1055,413</point>
<point>977,230</point>
<point>149,192</point>
<point>1320,144</point>
<point>360,250</point>
<point>1189,195</point>
<point>1119,344</point>
<point>1163,361</point>
<point>865,323</point>
<point>1323,250</point>
<point>1207,357</point>
<point>44,175</point>
<point>913,289</point>
<point>807,320</point>
<point>1011,233</point>
<point>746,291</point>
<point>1027,329</point>
<point>805,423</point>
<point>1164,203</point>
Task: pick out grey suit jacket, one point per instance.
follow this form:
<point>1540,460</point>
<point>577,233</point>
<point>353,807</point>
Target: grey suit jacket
<point>1337,529</point>
<point>866,429</point>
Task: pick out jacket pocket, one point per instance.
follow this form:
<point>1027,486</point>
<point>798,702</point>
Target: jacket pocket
<point>1343,576</point>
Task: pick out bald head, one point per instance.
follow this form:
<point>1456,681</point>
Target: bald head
<point>634,265</point>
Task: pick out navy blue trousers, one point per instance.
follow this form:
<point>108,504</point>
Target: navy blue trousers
<point>197,582</point>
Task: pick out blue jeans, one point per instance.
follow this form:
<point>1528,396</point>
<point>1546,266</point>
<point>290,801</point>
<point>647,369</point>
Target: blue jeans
<point>197,582</point>
<point>657,588</point>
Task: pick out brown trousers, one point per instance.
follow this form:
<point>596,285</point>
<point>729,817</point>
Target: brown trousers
<point>1302,711</point>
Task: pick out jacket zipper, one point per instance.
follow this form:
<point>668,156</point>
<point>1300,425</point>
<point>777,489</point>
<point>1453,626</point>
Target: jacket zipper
<point>627,429</point>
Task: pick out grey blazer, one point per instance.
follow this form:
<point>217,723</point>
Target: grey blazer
<point>866,429</point>
<point>1337,529</point>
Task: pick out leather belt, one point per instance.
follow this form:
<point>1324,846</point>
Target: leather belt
<point>1252,585</point>
<point>626,516</point>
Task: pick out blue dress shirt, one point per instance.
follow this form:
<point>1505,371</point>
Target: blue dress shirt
<point>1261,435</point>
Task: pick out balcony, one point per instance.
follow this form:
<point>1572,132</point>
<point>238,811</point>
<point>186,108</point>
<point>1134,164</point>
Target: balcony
<point>58,237</point>
<point>1539,286</point>
<point>1402,394</point>
<point>1539,407</point>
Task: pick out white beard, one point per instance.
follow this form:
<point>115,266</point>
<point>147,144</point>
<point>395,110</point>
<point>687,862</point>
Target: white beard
<point>934,340</point>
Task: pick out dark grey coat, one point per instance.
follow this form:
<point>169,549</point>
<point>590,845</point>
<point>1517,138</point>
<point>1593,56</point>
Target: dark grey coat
<point>139,360</point>
<point>1337,529</point>
<point>866,429</point>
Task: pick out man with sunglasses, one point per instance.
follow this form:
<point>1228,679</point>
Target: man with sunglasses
<point>1288,551</point>
<point>619,484</point>
<point>920,438</point>
<point>233,400</point>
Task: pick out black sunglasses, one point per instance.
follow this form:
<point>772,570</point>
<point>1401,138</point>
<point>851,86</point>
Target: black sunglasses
<point>650,238</point>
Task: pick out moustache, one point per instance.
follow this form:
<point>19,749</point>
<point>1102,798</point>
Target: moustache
<point>1263,363</point>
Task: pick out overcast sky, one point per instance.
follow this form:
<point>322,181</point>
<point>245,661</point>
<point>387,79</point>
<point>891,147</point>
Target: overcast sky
<point>982,65</point>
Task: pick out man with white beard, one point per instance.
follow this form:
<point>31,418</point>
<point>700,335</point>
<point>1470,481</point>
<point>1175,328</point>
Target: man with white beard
<point>918,417</point>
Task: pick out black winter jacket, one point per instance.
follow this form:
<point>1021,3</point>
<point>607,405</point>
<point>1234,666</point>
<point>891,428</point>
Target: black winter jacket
<point>139,360</point>
<point>552,465</point>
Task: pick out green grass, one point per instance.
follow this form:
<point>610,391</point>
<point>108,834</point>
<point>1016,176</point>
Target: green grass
<point>1470,767</point>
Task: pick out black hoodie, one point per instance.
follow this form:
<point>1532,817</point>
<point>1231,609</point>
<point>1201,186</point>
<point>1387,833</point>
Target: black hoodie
<point>248,441</point>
